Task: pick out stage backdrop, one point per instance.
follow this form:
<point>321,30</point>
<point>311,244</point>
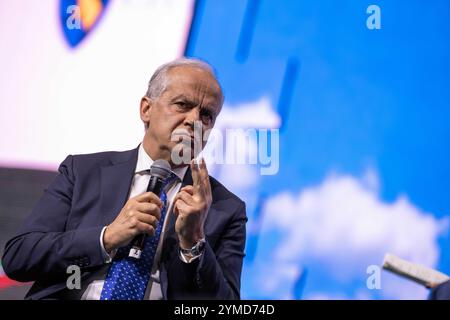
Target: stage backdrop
<point>359,92</point>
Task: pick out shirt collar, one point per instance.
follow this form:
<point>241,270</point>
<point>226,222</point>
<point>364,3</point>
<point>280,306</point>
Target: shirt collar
<point>144,163</point>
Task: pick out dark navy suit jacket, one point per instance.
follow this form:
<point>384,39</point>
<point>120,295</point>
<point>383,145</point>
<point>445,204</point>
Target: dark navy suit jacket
<point>441,292</point>
<point>88,193</point>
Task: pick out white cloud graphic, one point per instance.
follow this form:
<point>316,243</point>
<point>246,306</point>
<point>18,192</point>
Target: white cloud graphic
<point>254,114</point>
<point>337,229</point>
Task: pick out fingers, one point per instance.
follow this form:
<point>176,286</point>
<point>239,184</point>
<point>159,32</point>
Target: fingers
<point>149,197</point>
<point>183,196</point>
<point>143,223</point>
<point>140,215</point>
<point>143,217</point>
<point>145,228</point>
<point>200,177</point>
<point>147,219</point>
<point>187,203</point>
<point>149,209</point>
<point>186,197</point>
<point>139,222</point>
<point>135,217</point>
<point>181,206</point>
<point>195,173</point>
<point>189,189</point>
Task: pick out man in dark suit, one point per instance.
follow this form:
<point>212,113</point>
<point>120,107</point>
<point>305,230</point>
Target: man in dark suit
<point>98,203</point>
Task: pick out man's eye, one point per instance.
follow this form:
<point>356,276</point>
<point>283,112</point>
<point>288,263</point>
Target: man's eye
<point>207,117</point>
<point>181,104</point>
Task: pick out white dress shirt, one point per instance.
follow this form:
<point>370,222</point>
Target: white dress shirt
<point>139,186</point>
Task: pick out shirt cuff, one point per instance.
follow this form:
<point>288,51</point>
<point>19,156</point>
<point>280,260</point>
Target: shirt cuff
<point>106,256</point>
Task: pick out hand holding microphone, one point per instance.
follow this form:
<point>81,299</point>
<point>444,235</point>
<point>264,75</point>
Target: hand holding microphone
<point>140,215</point>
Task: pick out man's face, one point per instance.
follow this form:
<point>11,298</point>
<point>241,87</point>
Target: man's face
<point>191,95</point>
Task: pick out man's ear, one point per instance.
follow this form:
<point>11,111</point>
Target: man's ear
<point>145,108</point>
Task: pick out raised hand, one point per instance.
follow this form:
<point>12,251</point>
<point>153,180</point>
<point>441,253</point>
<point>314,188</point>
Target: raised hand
<point>191,206</point>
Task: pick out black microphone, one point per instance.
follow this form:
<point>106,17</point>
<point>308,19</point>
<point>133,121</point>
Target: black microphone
<point>159,171</point>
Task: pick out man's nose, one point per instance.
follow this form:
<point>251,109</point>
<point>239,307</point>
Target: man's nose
<point>192,116</point>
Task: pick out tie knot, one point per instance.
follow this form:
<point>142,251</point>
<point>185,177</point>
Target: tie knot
<point>168,182</point>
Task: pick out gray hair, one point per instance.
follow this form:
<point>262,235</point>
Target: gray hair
<point>159,80</point>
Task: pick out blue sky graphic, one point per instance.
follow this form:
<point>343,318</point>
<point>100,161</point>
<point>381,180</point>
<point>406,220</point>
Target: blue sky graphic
<point>350,98</point>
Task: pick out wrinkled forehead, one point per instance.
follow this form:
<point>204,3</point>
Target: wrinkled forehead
<point>194,83</point>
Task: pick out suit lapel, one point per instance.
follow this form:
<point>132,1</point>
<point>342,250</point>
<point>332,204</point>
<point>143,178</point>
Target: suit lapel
<point>187,178</point>
<point>116,183</point>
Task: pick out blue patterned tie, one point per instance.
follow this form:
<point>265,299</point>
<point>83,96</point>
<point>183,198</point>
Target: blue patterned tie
<point>127,278</point>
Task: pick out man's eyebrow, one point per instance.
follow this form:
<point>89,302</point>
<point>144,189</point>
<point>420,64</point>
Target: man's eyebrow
<point>189,101</point>
<point>180,96</point>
